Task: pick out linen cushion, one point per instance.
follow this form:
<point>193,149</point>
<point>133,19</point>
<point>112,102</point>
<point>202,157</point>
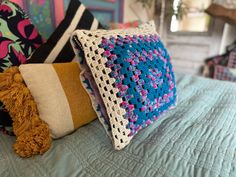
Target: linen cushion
<point>134,76</point>
<point>58,48</point>
<point>18,39</point>
<point>61,99</point>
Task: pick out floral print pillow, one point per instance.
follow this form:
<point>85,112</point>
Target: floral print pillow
<point>18,38</point>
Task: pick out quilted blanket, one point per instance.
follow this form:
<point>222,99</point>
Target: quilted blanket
<point>197,139</point>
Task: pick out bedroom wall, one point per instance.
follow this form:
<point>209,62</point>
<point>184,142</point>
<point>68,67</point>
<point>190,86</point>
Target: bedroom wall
<point>129,15</point>
<point>47,14</point>
<point>190,49</point>
<point>135,11</point>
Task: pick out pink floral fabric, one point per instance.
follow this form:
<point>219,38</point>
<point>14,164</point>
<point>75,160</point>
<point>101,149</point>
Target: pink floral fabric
<point>18,36</point>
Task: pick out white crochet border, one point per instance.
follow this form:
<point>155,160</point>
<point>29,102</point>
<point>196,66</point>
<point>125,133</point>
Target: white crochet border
<point>90,41</point>
<point>90,92</point>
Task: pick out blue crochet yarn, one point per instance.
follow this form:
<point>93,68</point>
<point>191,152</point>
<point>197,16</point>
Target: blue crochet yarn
<point>143,72</point>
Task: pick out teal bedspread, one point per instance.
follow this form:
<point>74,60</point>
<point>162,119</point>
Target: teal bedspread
<point>198,138</point>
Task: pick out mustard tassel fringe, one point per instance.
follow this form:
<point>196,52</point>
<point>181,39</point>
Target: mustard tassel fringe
<point>32,134</point>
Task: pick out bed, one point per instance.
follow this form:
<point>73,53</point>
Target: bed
<point>197,138</point>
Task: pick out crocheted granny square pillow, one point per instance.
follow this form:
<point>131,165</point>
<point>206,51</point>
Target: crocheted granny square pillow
<point>134,75</point>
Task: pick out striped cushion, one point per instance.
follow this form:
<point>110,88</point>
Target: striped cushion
<point>61,99</point>
<point>58,48</point>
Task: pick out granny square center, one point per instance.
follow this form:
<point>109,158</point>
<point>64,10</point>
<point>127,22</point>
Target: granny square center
<point>144,77</point>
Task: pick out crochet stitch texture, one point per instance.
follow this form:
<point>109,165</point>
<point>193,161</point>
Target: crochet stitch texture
<point>140,65</point>
<point>134,76</point>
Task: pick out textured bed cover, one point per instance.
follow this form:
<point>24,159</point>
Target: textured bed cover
<point>198,138</point>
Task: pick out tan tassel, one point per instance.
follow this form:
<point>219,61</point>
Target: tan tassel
<point>32,134</point>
